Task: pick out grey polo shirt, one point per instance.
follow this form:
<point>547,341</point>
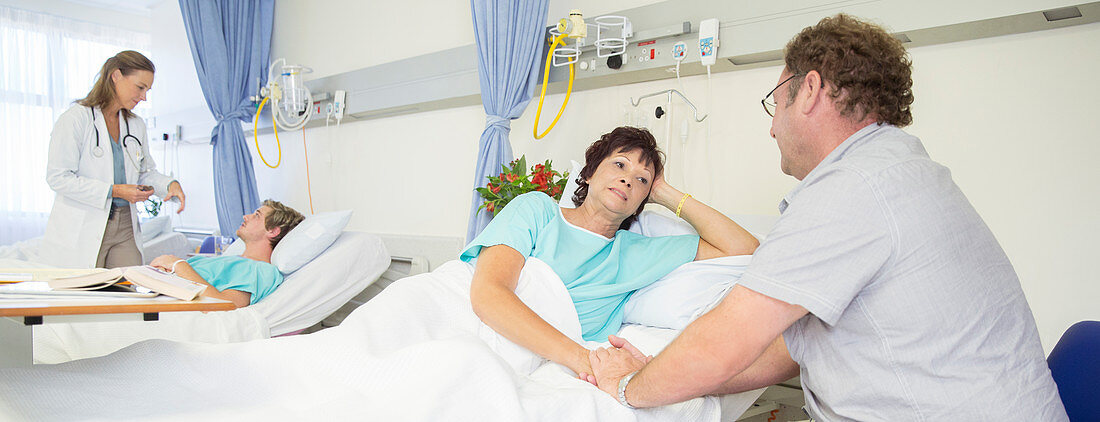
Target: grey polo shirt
<point>916,313</point>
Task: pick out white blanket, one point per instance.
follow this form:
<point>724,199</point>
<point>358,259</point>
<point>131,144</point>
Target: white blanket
<point>415,352</point>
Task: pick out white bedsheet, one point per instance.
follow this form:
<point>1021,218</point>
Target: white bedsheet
<point>415,352</point>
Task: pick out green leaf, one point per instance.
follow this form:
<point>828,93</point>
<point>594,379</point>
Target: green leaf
<point>521,166</point>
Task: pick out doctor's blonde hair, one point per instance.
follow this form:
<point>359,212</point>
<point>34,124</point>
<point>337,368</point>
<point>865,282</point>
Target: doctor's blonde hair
<point>103,92</point>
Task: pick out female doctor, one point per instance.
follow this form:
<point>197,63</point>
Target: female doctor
<point>99,165</point>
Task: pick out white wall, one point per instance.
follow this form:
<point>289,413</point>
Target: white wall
<point>1012,116</point>
<point>176,92</point>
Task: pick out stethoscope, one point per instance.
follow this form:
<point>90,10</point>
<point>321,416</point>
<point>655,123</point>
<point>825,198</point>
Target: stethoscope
<point>98,150</point>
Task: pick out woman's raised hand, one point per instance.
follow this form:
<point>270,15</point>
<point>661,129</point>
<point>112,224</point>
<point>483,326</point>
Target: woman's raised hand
<point>663,193</point>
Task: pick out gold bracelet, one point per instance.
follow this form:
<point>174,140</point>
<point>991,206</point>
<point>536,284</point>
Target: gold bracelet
<point>681,206</point>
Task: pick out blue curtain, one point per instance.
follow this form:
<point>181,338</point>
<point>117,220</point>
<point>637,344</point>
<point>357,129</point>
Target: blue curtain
<point>510,40</point>
<point>230,42</point>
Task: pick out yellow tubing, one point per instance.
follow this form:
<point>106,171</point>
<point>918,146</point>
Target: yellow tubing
<point>256,134</point>
<point>546,78</point>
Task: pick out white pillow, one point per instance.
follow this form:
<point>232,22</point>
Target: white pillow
<point>235,249</point>
<point>689,291</point>
<point>571,186</point>
<point>653,224</point>
<point>311,237</point>
<point>153,227</point>
<point>656,223</point>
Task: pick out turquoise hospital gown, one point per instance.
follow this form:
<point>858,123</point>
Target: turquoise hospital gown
<point>237,273</point>
<point>599,273</point>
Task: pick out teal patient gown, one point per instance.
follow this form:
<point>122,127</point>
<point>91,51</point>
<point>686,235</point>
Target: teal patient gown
<point>237,273</point>
<point>599,273</point>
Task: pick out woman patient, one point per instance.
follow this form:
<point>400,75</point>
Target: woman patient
<point>589,248</point>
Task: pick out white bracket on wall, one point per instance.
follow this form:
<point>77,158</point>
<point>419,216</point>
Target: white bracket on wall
<point>449,78</point>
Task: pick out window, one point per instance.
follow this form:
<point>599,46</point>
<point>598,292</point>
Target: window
<point>46,62</point>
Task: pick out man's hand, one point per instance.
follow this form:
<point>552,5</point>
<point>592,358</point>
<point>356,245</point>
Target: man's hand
<point>621,343</point>
<point>164,262</point>
<point>612,364</point>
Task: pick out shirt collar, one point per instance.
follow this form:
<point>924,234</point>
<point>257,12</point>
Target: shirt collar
<point>860,137</point>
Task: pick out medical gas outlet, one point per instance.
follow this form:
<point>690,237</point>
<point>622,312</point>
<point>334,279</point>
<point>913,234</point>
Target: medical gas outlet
<point>648,53</point>
<point>611,34</point>
<point>291,103</point>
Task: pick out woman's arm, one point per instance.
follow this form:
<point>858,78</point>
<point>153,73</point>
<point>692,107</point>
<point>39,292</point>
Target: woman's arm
<point>493,296</point>
<point>718,234</point>
<point>183,269</point>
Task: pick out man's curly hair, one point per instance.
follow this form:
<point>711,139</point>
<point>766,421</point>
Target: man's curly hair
<point>869,69</point>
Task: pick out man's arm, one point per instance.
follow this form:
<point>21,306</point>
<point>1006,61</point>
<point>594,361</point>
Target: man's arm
<point>716,353</point>
<point>772,367</point>
<point>183,269</point>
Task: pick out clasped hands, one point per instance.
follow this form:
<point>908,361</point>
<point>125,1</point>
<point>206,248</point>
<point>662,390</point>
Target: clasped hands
<point>610,364</point>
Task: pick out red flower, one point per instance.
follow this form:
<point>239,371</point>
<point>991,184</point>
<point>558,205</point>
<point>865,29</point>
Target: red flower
<point>494,188</point>
<point>555,191</point>
<point>510,177</point>
<point>540,179</point>
<point>489,206</point>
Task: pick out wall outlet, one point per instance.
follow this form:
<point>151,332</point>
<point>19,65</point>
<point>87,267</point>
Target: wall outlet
<point>338,103</point>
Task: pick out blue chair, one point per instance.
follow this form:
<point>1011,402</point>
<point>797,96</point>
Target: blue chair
<point>1075,365</point>
<point>208,244</point>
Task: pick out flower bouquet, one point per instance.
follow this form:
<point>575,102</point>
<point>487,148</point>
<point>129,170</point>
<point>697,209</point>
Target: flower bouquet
<point>515,181</point>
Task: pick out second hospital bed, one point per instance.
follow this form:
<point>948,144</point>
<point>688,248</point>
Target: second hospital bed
<point>307,295</point>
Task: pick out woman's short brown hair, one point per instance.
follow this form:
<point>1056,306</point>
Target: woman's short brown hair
<point>103,92</point>
<point>622,139</point>
<point>869,69</point>
<point>283,217</point>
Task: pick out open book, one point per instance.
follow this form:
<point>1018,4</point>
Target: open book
<point>143,276</point>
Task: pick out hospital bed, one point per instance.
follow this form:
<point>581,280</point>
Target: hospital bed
<point>377,363</point>
<point>308,295</point>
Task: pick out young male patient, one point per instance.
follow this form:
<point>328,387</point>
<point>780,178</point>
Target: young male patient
<point>247,278</point>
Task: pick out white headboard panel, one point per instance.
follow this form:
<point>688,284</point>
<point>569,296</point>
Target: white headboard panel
<point>409,255</point>
<point>435,249</point>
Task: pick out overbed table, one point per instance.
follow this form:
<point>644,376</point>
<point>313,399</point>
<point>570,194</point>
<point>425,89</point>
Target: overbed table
<point>20,315</point>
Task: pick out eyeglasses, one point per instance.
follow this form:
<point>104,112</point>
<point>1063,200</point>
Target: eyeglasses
<point>769,106</point>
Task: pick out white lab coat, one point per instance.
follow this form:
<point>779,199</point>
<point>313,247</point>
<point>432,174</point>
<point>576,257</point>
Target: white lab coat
<point>83,182</point>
